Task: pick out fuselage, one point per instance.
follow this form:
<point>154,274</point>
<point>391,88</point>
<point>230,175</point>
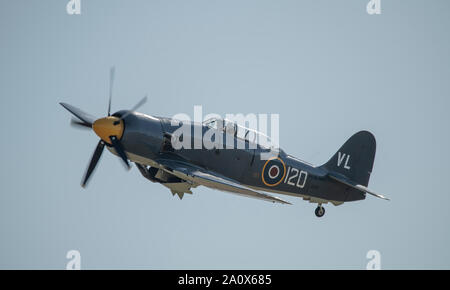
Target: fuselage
<point>146,138</point>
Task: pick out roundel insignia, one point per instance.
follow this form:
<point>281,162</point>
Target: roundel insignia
<point>273,172</point>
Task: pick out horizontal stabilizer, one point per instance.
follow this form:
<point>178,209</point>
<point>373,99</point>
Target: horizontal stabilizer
<point>354,185</point>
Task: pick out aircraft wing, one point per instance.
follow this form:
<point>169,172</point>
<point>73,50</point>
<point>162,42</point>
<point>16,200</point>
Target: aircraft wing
<point>352,184</point>
<point>213,180</point>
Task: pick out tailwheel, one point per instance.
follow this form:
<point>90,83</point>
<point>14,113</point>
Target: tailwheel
<point>320,211</point>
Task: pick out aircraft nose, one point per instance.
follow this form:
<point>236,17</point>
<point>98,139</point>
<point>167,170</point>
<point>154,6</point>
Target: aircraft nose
<point>108,126</point>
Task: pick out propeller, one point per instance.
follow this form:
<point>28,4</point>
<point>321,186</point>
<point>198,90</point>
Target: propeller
<point>112,73</point>
<point>81,125</point>
<point>95,157</point>
<point>119,149</point>
<point>109,129</point>
<point>81,115</point>
<point>140,103</point>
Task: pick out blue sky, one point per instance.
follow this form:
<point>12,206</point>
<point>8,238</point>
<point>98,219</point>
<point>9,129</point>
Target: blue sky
<point>327,67</point>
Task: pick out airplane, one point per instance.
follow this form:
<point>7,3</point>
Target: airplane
<point>147,141</point>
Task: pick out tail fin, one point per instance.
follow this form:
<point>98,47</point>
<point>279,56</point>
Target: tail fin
<point>355,158</point>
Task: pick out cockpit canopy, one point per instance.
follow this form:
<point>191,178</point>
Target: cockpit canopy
<point>239,131</point>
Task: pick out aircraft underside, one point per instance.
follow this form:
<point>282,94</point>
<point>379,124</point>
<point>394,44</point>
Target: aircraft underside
<point>180,184</point>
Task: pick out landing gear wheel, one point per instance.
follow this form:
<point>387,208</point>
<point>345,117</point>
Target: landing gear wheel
<point>320,211</point>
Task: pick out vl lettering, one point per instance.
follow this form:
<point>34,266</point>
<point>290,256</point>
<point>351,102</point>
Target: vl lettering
<point>340,159</point>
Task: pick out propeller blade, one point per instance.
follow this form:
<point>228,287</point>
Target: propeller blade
<point>111,82</point>
<point>140,103</point>
<point>85,117</point>
<point>119,149</point>
<point>95,157</point>
<point>78,124</point>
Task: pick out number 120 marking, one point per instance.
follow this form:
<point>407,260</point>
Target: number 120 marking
<point>292,174</point>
